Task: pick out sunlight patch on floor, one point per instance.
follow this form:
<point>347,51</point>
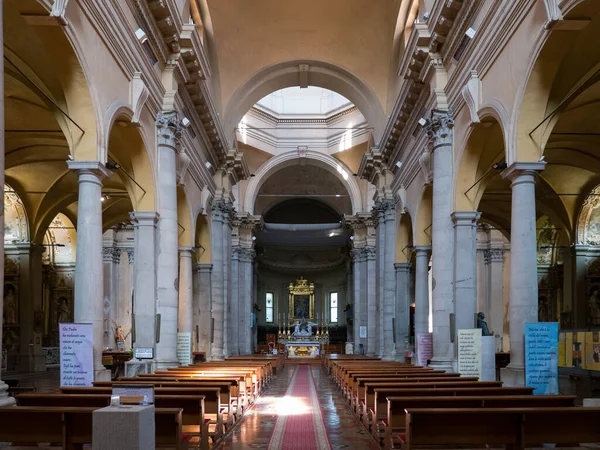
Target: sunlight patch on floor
<point>284,406</point>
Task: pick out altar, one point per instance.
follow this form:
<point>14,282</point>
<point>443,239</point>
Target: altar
<point>303,349</point>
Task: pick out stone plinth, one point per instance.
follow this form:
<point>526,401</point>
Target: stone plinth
<point>124,427</point>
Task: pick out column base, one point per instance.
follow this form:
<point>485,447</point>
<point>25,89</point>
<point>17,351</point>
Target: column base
<point>102,375</point>
<point>512,376</point>
<point>5,400</point>
<point>444,364</point>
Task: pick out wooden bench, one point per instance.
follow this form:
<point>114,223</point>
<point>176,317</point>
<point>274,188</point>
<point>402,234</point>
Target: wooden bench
<point>407,383</point>
<point>396,406</point>
<point>357,380</point>
<point>347,379</point>
<point>377,410</point>
<point>72,427</point>
<point>193,420</point>
<point>212,401</point>
<point>514,427</point>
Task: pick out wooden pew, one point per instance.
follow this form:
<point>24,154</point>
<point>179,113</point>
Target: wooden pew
<point>73,426</point>
<point>348,375</point>
<point>356,380</point>
<point>514,427</point>
<point>415,382</point>
<point>247,378</point>
<point>192,406</point>
<point>212,401</point>
<point>377,410</point>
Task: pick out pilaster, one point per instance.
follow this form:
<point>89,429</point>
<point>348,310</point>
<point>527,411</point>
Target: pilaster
<point>422,256</point>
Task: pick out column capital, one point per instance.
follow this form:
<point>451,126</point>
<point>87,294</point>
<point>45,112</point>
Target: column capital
<point>402,267</point>
<point>111,254</point>
<point>144,218</point>
<point>203,267</point>
<point>493,255</point>
<point>465,218</point>
<point>363,253</point>
<point>131,255</point>
<point>186,251</point>
<point>422,250</point>
<point>222,210</point>
<point>169,129</point>
<point>439,128</point>
<point>243,254</point>
<point>384,209</point>
<point>94,168</point>
<point>518,169</point>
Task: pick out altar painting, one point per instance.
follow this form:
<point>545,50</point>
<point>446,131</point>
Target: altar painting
<point>302,300</point>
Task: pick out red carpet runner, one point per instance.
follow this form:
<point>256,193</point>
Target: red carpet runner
<point>300,423</point>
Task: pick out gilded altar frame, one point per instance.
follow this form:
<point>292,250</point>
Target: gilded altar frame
<point>302,300</point>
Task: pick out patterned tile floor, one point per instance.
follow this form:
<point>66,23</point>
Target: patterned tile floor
<point>256,427</point>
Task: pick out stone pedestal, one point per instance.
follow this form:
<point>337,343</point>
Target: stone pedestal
<point>124,427</point>
<point>523,266</point>
<point>349,348</point>
<point>134,368</point>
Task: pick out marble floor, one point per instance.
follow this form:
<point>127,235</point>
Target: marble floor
<point>254,430</point>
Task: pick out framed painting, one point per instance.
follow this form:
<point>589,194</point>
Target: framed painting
<point>302,300</point>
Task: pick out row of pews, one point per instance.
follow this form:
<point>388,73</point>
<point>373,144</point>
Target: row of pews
<point>405,406</point>
<point>194,405</point>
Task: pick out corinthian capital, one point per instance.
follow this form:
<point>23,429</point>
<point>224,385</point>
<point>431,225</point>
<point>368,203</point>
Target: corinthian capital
<point>169,129</point>
<point>439,128</point>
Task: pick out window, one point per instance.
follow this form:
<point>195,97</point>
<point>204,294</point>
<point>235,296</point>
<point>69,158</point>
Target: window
<point>333,304</point>
<point>269,307</point>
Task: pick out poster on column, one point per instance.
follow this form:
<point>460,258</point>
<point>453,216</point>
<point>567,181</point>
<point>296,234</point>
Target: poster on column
<point>469,352</point>
<point>541,357</point>
<point>76,354</point>
<point>184,348</point>
<point>424,348</point>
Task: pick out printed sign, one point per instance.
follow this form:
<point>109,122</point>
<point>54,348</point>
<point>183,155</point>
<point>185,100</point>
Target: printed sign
<point>76,354</point>
<point>184,348</point>
<point>424,348</point>
<point>541,357</point>
<point>469,352</point>
<point>363,332</point>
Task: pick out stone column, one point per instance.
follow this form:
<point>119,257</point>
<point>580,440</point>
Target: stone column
<point>494,258</point>
<point>523,267</point>
<point>369,289</point>
<point>244,330</point>
<point>385,218</point>
<point>422,254</point>
<point>144,278</point>
<point>202,307</point>
<point>227,280</point>
<point>359,309</point>
<point>89,276</point>
<point>185,319</point>
<point>220,222</point>
<point>234,304</point>
<point>439,131</point>
<point>169,129</point>
<point>403,300</point>
<point>465,269</point>
<point>5,400</point>
<point>111,257</point>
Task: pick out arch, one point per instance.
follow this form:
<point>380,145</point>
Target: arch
<point>125,143</point>
<point>590,210</point>
<point>202,240</point>
<point>16,223</point>
<point>322,160</point>
<point>529,127</point>
<point>321,74</point>
<point>424,217</point>
<point>484,147</point>
<point>60,240</point>
<point>404,238</point>
<point>184,219</point>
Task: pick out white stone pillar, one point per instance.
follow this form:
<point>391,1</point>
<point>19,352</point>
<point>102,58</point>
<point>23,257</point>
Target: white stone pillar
<point>202,307</point>
<point>185,320</point>
<point>439,130</point>
<point>144,278</point>
<point>227,281</point>
<point>495,261</point>
<point>422,255</point>
<point>89,276</point>
<point>370,293</point>
<point>111,257</point>
<point>221,211</point>
<point>523,266</point>
<point>5,400</point>
<point>168,129</point>
<point>359,308</point>
<point>245,270</point>
<point>403,301</point>
<point>234,305</point>
<point>465,269</point>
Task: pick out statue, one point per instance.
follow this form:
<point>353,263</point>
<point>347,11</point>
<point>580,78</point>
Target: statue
<point>482,324</point>
<point>10,307</point>
<point>296,327</point>
<point>62,311</point>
